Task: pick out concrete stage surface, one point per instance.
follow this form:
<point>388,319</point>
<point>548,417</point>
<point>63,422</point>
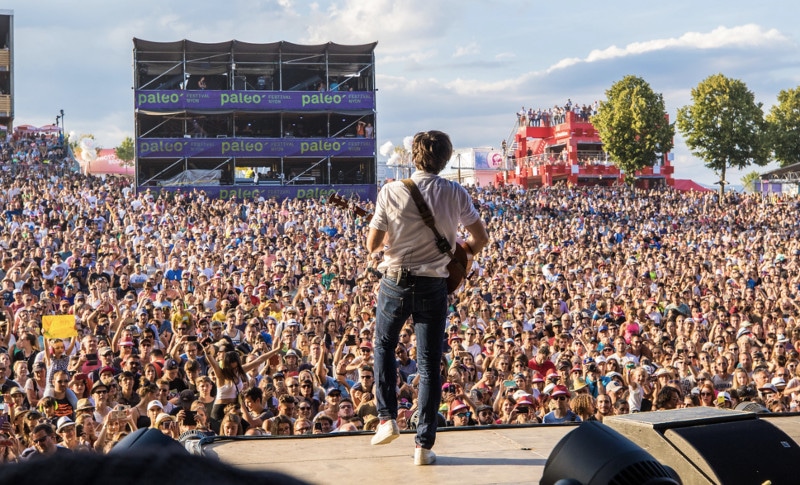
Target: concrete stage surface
<point>478,455</point>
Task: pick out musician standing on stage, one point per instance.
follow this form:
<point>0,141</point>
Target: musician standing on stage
<point>414,282</point>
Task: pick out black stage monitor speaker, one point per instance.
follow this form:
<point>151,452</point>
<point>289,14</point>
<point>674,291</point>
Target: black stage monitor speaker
<point>714,446</point>
<point>147,438</point>
<point>595,454</point>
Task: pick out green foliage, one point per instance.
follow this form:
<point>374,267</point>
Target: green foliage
<point>749,180</point>
<point>633,125</point>
<point>783,122</point>
<point>724,126</point>
<point>125,151</point>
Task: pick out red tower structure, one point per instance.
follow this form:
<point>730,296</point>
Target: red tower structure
<point>571,151</point>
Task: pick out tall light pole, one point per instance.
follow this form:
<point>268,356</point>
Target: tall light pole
<point>62,125</point>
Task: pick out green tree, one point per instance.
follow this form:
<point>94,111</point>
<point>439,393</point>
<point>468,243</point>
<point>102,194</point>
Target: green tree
<point>724,126</point>
<point>749,180</point>
<point>633,125</point>
<point>125,151</point>
<point>783,122</point>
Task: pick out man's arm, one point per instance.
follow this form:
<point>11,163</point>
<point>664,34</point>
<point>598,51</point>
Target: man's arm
<point>375,240</point>
<point>478,239</point>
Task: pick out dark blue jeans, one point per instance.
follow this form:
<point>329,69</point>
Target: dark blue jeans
<point>426,302</point>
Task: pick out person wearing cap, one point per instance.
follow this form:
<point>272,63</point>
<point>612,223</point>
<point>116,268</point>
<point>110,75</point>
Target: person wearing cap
<point>85,406</point>
<point>769,392</point>
<point>66,430</point>
<point>724,400</point>
<point>36,385</point>
<point>415,272</point>
<point>454,342</point>
<point>525,408</point>
<point>615,390</point>
<point>291,359</point>
<point>486,415</point>
<point>593,377</point>
<point>172,374</point>
<point>168,425</point>
<point>17,398</point>
<point>561,412</point>
<point>154,408</point>
<point>101,399</point>
<point>460,414</point>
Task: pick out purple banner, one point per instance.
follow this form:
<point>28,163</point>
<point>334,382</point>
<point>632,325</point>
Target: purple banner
<point>280,192</point>
<point>255,100</point>
<point>254,147</point>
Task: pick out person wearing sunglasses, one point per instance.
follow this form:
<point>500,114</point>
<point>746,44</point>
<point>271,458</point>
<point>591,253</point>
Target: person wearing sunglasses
<point>561,413</point>
<point>460,414</point>
<point>44,440</point>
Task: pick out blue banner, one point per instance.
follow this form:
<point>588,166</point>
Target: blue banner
<point>280,192</point>
<point>255,100</point>
<point>254,147</point>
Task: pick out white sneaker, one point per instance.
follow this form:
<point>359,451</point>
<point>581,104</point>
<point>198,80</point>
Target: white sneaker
<point>386,433</point>
<point>424,456</point>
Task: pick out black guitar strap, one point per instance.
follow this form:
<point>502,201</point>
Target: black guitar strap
<point>427,217</point>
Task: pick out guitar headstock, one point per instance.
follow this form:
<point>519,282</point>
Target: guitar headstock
<point>338,201</point>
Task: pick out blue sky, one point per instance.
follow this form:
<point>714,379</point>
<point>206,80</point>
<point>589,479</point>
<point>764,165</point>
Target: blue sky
<point>460,66</point>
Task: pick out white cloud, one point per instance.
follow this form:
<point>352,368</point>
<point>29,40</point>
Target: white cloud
<point>464,50</point>
<point>398,26</point>
<point>472,87</point>
<point>749,35</point>
<point>415,57</point>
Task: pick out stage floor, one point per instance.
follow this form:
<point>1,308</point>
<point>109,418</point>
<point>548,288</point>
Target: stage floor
<point>492,455</point>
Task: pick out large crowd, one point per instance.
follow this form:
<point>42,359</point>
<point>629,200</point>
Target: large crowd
<point>556,114</point>
<point>255,317</point>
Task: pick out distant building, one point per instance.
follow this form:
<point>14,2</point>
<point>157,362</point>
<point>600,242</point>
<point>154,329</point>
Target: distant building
<point>236,119</point>
<point>569,150</point>
<point>7,70</point>
<point>474,166</point>
<point>784,180</point>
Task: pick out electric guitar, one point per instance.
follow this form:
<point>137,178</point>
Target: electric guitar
<point>456,268</point>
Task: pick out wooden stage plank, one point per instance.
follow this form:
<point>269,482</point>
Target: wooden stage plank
<point>476,455</point>
<point>480,455</point>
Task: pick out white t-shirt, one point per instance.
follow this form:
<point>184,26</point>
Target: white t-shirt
<point>412,244</point>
